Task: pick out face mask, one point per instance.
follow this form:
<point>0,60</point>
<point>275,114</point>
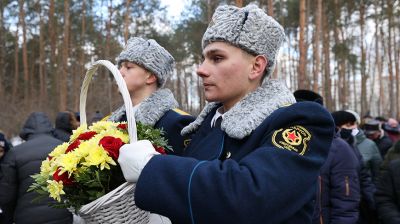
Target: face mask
<point>345,133</point>
<point>354,131</point>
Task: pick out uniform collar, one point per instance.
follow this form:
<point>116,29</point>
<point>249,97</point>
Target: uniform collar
<point>150,110</point>
<point>246,115</point>
<point>217,115</point>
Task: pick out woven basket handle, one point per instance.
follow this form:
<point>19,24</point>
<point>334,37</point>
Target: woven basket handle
<point>122,88</point>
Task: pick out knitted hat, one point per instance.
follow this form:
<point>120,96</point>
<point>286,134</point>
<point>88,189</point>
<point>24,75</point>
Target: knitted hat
<point>371,126</point>
<point>248,28</point>
<point>392,125</point>
<point>308,95</point>
<point>342,117</point>
<point>150,55</point>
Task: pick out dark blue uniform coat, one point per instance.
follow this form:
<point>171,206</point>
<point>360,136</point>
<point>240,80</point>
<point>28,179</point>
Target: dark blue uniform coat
<point>160,111</point>
<point>259,178</point>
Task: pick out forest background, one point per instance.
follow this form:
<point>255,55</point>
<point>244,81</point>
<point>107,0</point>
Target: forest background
<point>348,51</point>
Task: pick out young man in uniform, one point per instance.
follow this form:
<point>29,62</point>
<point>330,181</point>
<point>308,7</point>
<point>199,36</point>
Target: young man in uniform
<point>255,154</point>
<point>145,67</point>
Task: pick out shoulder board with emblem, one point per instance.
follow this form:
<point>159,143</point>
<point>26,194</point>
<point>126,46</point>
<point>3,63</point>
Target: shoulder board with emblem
<point>181,112</point>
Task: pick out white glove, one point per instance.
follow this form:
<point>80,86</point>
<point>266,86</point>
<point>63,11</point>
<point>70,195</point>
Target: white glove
<point>133,157</point>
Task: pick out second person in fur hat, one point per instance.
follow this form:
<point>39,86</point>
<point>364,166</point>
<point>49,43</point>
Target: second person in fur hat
<point>145,67</point>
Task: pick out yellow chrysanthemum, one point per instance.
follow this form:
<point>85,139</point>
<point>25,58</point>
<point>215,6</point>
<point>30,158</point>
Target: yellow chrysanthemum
<point>75,133</point>
<point>116,134</point>
<point>68,162</point>
<point>55,189</point>
<point>102,125</point>
<point>47,168</point>
<point>60,149</point>
<point>83,150</point>
<point>98,157</point>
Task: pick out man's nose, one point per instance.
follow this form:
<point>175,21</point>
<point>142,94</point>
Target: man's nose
<point>202,70</point>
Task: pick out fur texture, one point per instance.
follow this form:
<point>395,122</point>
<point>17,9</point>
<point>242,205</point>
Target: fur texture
<point>151,109</point>
<point>250,112</point>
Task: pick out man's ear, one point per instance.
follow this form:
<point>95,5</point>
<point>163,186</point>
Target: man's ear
<point>259,65</point>
<point>151,79</point>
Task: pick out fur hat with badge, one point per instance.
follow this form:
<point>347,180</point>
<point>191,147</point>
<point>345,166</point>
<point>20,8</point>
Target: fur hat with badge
<point>248,28</point>
<point>150,55</point>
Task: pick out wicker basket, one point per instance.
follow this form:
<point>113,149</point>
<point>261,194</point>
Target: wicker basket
<point>118,206</point>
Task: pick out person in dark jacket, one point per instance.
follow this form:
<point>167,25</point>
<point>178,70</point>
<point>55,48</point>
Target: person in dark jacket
<point>18,166</point>
<point>373,131</point>
<point>392,129</point>
<point>65,123</point>
<point>5,146</point>
<point>347,122</point>
<point>392,154</point>
<point>388,193</point>
<point>255,153</point>
<point>338,193</point>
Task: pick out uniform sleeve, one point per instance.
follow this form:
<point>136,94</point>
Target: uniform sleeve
<point>172,124</point>
<point>8,186</point>
<point>345,187</point>
<point>386,196</point>
<point>270,183</point>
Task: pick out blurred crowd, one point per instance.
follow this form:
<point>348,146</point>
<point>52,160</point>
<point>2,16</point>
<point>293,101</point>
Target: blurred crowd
<point>17,163</point>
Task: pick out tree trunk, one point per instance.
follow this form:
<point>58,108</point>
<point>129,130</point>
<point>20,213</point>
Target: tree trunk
<point>327,69</point>
<point>316,50</point>
<point>42,79</point>
<point>364,77</point>
<point>82,60</point>
<point>239,3</point>
<point>127,20</point>
<point>392,101</point>
<point>16,82</point>
<point>2,51</point>
<point>302,83</point>
<point>378,62</point>
<point>54,75</point>
<point>270,8</point>
<point>24,51</point>
<point>65,54</point>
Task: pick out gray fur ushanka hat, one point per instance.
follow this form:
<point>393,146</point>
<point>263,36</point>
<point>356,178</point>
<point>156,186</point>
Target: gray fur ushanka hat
<point>248,28</point>
<point>150,55</point>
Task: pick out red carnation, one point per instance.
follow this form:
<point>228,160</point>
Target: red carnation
<point>111,145</point>
<point>87,135</point>
<point>73,146</point>
<point>122,126</point>
<point>67,181</point>
<point>160,149</point>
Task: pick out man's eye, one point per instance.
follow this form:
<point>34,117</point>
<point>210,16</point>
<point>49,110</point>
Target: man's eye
<point>217,58</point>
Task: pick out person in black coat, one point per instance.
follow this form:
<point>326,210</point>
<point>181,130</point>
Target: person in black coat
<point>338,193</point>
<point>65,123</point>
<point>5,146</point>
<point>388,193</point>
<point>373,131</point>
<point>16,170</point>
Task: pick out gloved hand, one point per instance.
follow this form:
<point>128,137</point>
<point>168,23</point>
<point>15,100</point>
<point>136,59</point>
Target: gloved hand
<point>133,157</point>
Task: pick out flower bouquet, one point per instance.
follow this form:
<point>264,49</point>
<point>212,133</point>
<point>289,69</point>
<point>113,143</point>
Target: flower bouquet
<point>83,174</point>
